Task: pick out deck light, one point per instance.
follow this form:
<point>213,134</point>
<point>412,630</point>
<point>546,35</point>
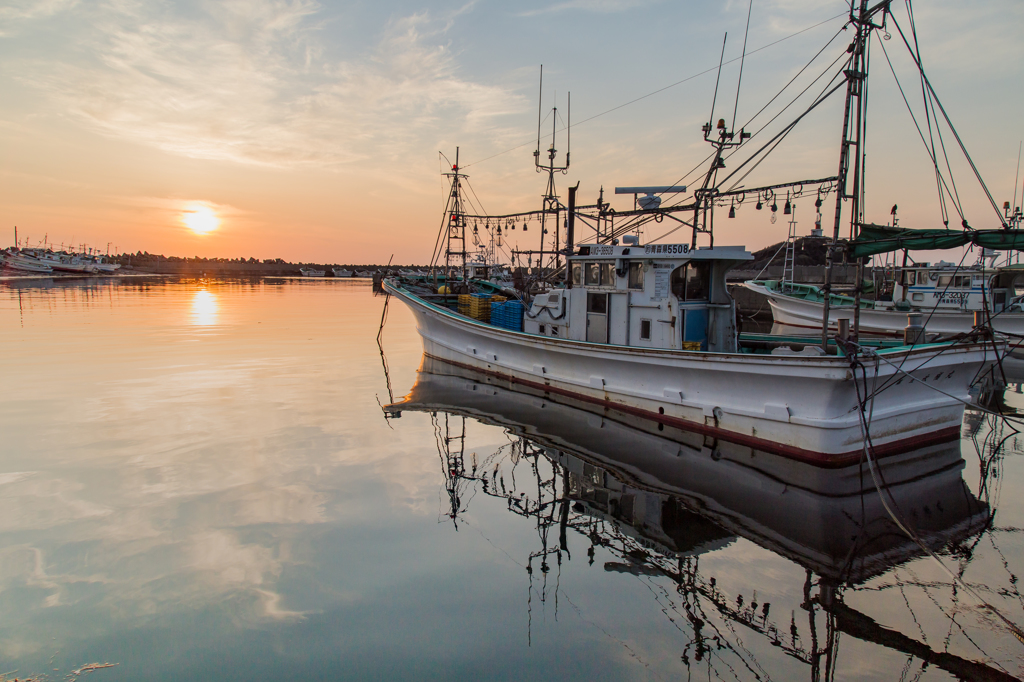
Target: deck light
<point>732,210</point>
<point>759,205</point>
<point>788,208</point>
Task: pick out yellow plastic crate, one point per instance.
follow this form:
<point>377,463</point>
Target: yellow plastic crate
<point>691,345</point>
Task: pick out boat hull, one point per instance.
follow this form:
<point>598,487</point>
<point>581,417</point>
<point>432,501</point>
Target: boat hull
<point>806,407</point>
<point>796,312</point>
<point>24,264</point>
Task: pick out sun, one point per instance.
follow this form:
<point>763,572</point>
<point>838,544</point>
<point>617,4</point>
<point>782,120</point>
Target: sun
<point>200,219</point>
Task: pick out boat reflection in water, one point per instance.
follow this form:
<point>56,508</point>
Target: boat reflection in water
<point>658,498</point>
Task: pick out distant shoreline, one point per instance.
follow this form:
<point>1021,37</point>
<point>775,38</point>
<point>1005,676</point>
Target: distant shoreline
<point>143,263</point>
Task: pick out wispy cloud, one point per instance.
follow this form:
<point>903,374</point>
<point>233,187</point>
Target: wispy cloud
<point>14,13</point>
<point>599,6</point>
<point>246,81</point>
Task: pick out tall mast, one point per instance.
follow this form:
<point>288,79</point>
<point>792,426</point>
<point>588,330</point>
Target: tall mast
<point>849,186</point>
<point>551,203</point>
<point>721,138</point>
<point>455,240</point>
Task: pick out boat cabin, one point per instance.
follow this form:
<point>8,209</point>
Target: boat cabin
<point>665,296</point>
<point>947,288</point>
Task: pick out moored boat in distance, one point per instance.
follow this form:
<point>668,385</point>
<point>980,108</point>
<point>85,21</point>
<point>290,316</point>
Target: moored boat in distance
<point>310,272</point>
<point>62,261</point>
<point>341,272</point>
<point>21,261</point>
<point>949,296</point>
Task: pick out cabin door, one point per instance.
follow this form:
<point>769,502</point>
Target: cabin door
<point>597,317</point>
<point>999,299</point>
<point>695,327</point>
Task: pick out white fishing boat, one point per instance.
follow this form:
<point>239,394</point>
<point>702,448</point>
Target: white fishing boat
<point>649,328</point>
<point>20,261</point>
<point>341,272</point>
<point>666,349</point>
<point>102,267</point>
<point>948,296</point>
<point>64,262</point>
<point>310,272</point>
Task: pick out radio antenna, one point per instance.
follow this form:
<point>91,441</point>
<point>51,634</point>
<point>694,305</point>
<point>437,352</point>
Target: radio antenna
<point>742,59</point>
<point>717,79</point>
<point>1015,179</point>
<point>540,99</point>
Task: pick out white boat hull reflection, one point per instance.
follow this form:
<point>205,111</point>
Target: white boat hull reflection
<point>829,520</point>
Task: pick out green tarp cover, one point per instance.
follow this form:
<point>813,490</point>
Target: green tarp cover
<point>883,239</point>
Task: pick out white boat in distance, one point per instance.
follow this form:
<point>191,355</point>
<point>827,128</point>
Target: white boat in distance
<point>341,272</point>
<point>947,295</point>
<point>16,259</point>
<point>650,330</point>
<point>310,272</point>
<point>64,262</point>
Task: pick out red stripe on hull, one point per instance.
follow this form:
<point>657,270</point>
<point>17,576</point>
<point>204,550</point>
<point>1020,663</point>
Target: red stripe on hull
<point>820,459</point>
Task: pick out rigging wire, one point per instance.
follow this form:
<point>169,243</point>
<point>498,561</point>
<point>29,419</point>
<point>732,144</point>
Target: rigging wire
<point>662,89</point>
<point>786,131</point>
<point>928,119</point>
<point>956,135</point>
<point>865,424</point>
<point>772,120</point>
<point>953,195</point>
<point>739,81</point>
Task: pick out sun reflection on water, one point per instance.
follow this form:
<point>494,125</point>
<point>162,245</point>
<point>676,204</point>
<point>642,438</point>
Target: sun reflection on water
<point>204,308</point>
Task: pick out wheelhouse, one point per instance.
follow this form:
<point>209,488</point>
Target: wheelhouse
<point>664,296</point>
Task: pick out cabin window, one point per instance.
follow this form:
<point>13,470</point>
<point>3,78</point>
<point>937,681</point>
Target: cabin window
<point>945,281</point>
<point>541,329</point>
<point>597,303</point>
<point>917,297</point>
<point>600,274</point>
<point>636,276</point>
<point>554,330</point>
<point>962,282</point>
<point>691,282</point>
<point>922,277</point>
<point>645,330</point>
<point>577,274</point>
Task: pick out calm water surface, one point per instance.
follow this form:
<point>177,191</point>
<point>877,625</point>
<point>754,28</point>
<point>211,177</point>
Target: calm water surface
<point>198,481</point>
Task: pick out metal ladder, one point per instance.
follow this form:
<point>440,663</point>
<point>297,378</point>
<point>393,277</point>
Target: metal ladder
<point>789,266</point>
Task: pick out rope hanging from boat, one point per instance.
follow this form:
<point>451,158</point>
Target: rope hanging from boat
<point>865,412</point>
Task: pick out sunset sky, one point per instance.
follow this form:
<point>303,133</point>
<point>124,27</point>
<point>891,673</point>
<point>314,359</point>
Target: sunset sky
<point>311,131</point>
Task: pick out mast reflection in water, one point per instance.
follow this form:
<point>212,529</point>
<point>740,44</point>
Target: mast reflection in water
<point>659,500</point>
